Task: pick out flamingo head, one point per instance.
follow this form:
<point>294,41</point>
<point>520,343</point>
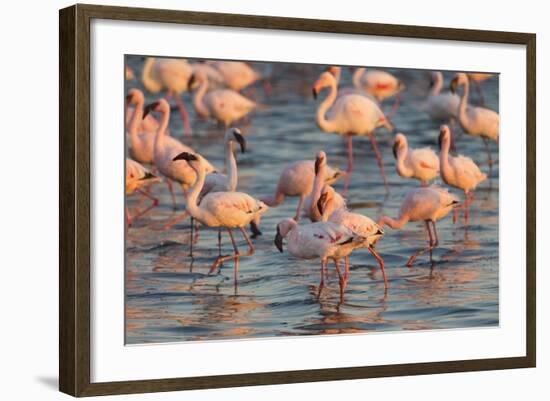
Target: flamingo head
<point>234,134</point>
<point>320,160</point>
<point>333,175</point>
<point>335,70</point>
<point>198,76</point>
<point>194,160</point>
<point>134,96</point>
<point>444,135</point>
<point>459,79</point>
<point>160,105</point>
<point>377,233</point>
<point>399,143</point>
<point>326,79</point>
<point>283,228</point>
<point>436,77</point>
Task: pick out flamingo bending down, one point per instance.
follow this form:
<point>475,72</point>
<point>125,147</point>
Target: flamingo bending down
<point>297,179</point>
<point>215,78</point>
<point>476,121</point>
<point>421,164</point>
<point>321,240</point>
<point>138,177</point>
<point>428,204</point>
<point>460,171</point>
<point>380,84</point>
<point>350,115</point>
<point>223,105</point>
<point>311,210</point>
<point>172,75</point>
<point>442,106</point>
<point>166,148</point>
<point>221,209</point>
<point>360,224</point>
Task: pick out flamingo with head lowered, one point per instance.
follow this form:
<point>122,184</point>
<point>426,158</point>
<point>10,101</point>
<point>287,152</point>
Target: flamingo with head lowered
<point>138,177</point>
<point>351,115</point>
<point>227,210</point>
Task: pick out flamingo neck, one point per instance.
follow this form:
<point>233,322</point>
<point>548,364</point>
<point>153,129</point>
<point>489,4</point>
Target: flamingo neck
<point>198,101</point>
<point>231,167</point>
<point>464,103</point>
<point>318,185</point>
<point>136,119</point>
<point>444,165</point>
<point>324,124</point>
<point>401,164</point>
<point>357,77</point>
<point>161,131</point>
<point>194,193</point>
<point>438,84</point>
<point>395,224</point>
<point>276,199</point>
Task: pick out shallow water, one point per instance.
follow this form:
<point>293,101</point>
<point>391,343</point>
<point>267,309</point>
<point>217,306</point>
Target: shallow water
<point>171,297</point>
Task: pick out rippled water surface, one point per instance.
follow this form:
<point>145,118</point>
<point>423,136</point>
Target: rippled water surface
<point>171,297</point>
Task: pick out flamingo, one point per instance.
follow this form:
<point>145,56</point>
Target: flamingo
<point>428,204</point>
<point>351,115</point>
<point>237,74</point>
<point>350,90</point>
<point>476,121</point>
<point>311,210</point>
<point>320,240</point>
<point>380,84</point>
<point>170,74</point>
<point>477,78</point>
<point>129,73</point>
<point>459,172</point>
<point>297,179</point>
<point>166,148</point>
<point>421,164</point>
<point>215,77</point>
<point>138,177</point>
<point>331,210</point>
<point>223,105</point>
<point>442,106</point>
<point>221,209</point>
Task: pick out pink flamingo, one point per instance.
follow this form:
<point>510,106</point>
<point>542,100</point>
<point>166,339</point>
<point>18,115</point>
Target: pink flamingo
<point>421,164</point>
<point>172,75</point>
<point>380,84</point>
<point>138,177</point>
<point>237,74</point>
<point>350,115</point>
<point>458,171</point>
<point>428,204</point>
<point>441,106</point>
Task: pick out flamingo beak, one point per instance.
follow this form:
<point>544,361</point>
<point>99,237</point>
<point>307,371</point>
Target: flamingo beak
<point>128,99</point>
<point>149,108</point>
<point>279,241</point>
<point>185,156</point>
<point>315,93</point>
<point>454,84</point>
<point>321,203</point>
<point>318,162</point>
<point>241,140</point>
<point>191,81</point>
<point>394,149</point>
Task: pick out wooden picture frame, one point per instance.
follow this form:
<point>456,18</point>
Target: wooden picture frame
<point>74,199</point>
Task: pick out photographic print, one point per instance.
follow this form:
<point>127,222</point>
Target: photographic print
<point>282,199</point>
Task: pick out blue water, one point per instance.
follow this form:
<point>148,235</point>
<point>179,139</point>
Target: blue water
<point>170,297</point>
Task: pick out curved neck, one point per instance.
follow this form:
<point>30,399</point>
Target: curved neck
<point>318,185</point>
<point>198,101</point>
<point>464,101</point>
<point>161,131</point>
<point>194,193</point>
<point>438,84</point>
<point>357,77</point>
<point>395,224</point>
<point>231,167</point>
<point>401,164</point>
<point>276,199</point>
<point>135,121</point>
<point>324,124</point>
<point>444,166</point>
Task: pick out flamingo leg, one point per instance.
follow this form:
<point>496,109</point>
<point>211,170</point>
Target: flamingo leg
<point>128,217</point>
<point>341,278</point>
<point>435,237</point>
<point>171,188</point>
<point>423,251</point>
<point>299,208</point>
<point>322,283</point>
<point>184,115</point>
<point>219,242</point>
<point>379,160</point>
<point>490,158</point>
<point>349,170</point>
<point>346,261</point>
<point>144,211</point>
<point>394,107</point>
<point>222,259</point>
<point>192,235</point>
<point>381,263</point>
<point>177,220</point>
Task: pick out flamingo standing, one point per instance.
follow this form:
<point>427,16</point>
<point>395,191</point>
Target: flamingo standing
<point>477,78</point>
<point>332,211</point>
<point>476,121</point>
<point>223,105</point>
<point>428,204</point>
<point>380,84</point>
<point>350,115</point>
<point>221,209</point>
<point>442,106</point>
<point>349,90</point>
<point>321,240</point>
<point>421,164</point>
<point>215,78</point>
<point>297,179</point>
<point>460,171</point>
<point>237,74</point>
<point>172,75</point>
<point>138,177</point>
<point>166,148</point>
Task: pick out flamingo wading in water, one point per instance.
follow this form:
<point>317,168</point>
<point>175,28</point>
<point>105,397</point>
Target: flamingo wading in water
<point>441,106</point>
<point>351,115</point>
<point>421,164</point>
<point>138,177</point>
<point>221,209</point>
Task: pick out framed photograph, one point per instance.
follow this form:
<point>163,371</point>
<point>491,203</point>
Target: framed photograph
<point>250,200</point>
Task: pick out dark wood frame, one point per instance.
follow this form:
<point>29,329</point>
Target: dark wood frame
<point>74,199</point>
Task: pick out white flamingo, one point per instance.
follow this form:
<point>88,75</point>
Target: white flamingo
<point>476,121</point>
<point>350,115</point>
<point>223,105</point>
<point>421,164</point>
<point>427,204</point>
<point>332,211</point>
<point>237,74</point>
<point>221,209</point>
<point>441,106</point>
<point>172,75</point>
<point>297,179</point>
<point>138,177</point>
<point>166,148</point>
<point>321,240</point>
<point>458,171</point>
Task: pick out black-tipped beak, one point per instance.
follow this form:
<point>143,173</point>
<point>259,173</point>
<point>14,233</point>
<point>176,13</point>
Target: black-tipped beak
<point>128,98</point>
<point>321,203</point>
<point>379,232</point>
<point>279,241</point>
<point>149,108</point>
<point>191,81</point>
<point>185,156</point>
<point>394,149</point>
<point>315,93</point>
<point>239,138</point>
<point>148,176</point>
<point>317,165</point>
<point>454,84</point>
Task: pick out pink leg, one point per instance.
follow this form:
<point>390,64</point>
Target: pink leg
<point>152,206</point>
<point>380,161</point>
<point>395,106</point>
<point>381,263</point>
<point>299,209</point>
<point>184,115</point>
<point>350,163</point>
<point>322,283</point>
<point>171,188</point>
<point>421,252</point>
<point>341,278</point>
<point>128,217</point>
<point>346,261</point>
<point>177,220</point>
<point>222,259</point>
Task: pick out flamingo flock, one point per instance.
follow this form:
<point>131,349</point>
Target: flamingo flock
<point>324,225</point>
